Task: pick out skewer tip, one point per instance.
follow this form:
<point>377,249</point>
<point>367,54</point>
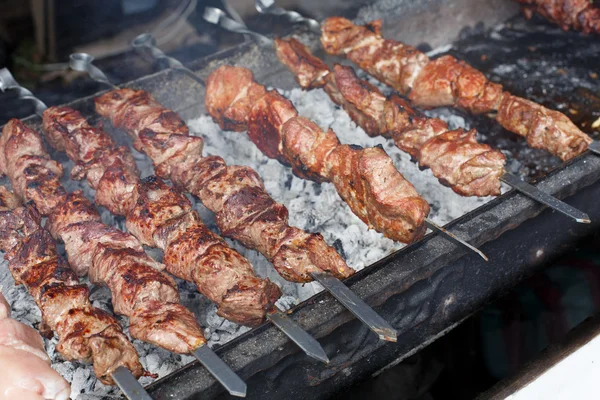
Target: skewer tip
<point>389,335</point>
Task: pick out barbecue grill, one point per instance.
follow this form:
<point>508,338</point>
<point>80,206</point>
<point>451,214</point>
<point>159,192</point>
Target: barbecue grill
<point>427,288</point>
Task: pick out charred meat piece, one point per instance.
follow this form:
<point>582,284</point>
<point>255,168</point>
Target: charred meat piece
<point>111,257</point>
<point>160,216</point>
<point>244,209</point>
<point>365,178</point>
<point>85,333</point>
<point>581,15</point>
<point>447,81</point>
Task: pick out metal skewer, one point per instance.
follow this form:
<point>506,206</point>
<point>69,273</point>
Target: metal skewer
<point>216,16</point>
<point>83,62</point>
<point>269,7</point>
<point>146,44</point>
<point>124,379</point>
<point>130,386</point>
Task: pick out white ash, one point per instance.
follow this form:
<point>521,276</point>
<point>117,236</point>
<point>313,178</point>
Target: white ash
<point>317,207</point>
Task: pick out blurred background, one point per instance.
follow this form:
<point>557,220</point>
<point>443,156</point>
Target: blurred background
<point>36,38</point>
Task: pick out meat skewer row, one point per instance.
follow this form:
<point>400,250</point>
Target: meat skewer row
<point>454,156</point>
<point>581,15</point>
<point>146,44</point>
<point>140,291</point>
<point>162,217</point>
<point>23,359</point>
<point>447,81</point>
<point>365,178</point>
<point>244,209</point>
<point>85,333</point>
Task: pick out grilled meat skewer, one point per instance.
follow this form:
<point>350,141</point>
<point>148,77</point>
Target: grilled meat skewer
<point>236,194</point>
<point>581,15</point>
<point>365,178</point>
<point>447,81</point>
<point>85,333</point>
<point>162,217</point>
<point>454,156</point>
<point>110,257</point>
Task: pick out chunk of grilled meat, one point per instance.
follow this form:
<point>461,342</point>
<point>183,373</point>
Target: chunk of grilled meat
<point>447,81</point>
<point>236,194</point>
<point>160,216</point>
<point>581,15</point>
<point>455,157</point>
<point>85,333</point>
<point>110,257</point>
<point>365,178</point>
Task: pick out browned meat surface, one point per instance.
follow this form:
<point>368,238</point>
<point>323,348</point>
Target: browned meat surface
<point>111,257</point>
<point>543,128</point>
<point>382,198</point>
<point>309,71</point>
<point>238,94</point>
<point>455,157</point>
<point>85,333</point>
<point>447,81</point>
<point>159,216</point>
<point>581,15</point>
<point>244,210</point>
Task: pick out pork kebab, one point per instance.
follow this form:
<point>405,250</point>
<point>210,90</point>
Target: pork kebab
<point>162,217</point>
<point>236,194</point>
<point>139,288</point>
<point>454,156</point>
<point>446,81</point>
<point>86,333</point>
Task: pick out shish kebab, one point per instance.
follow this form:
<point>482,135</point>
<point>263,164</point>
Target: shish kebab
<point>236,194</point>
<point>581,15</point>
<point>455,157</point>
<point>444,81</point>
<point>85,333</point>
<point>160,216</point>
<point>110,257</point>
<point>26,370</point>
<point>146,43</point>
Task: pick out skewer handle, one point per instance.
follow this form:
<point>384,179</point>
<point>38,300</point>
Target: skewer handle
<point>269,7</point>
<point>83,62</point>
<point>595,147</point>
<point>357,306</point>
<point>221,371</point>
<point>130,386</point>
<point>219,17</point>
<point>7,81</point>
<point>544,198</point>
<point>145,44</point>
